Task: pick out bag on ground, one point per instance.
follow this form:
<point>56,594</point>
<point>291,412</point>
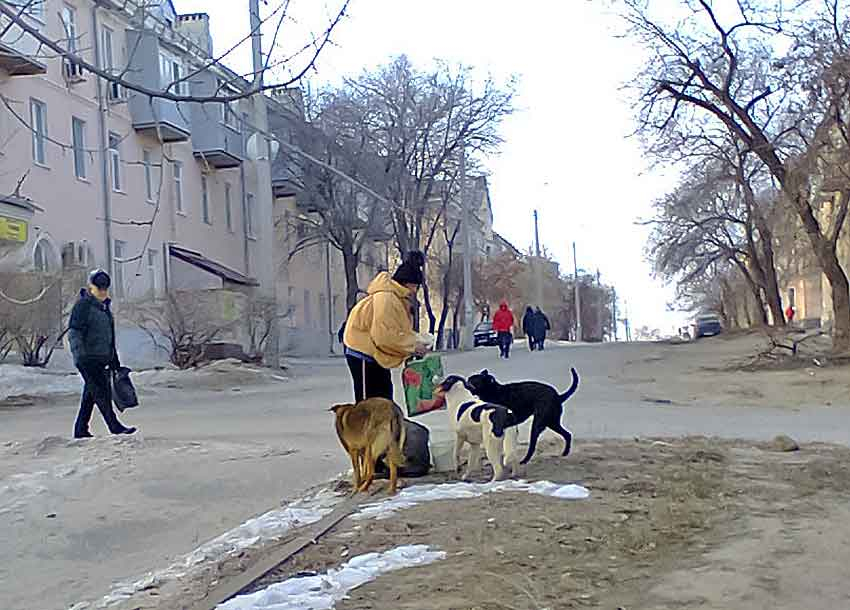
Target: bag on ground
<point>417,455</point>
<point>123,393</point>
<point>419,379</point>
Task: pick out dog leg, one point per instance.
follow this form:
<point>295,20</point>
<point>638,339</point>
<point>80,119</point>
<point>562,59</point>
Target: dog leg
<point>369,467</point>
<point>555,426</point>
<point>474,462</point>
<point>493,447</point>
<point>393,484</point>
<point>537,428</point>
<point>459,441</point>
<point>354,454</point>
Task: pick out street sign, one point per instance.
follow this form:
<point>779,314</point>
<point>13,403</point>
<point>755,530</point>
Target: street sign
<point>13,229</point>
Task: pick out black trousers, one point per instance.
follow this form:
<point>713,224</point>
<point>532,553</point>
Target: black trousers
<point>371,380</point>
<point>97,390</point>
<point>505,340</point>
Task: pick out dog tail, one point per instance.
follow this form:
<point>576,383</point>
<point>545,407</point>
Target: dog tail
<point>566,395</point>
<point>398,433</point>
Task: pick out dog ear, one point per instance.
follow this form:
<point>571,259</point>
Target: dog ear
<point>485,372</point>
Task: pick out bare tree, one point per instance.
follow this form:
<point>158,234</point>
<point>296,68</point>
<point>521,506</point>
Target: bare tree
<point>789,108</point>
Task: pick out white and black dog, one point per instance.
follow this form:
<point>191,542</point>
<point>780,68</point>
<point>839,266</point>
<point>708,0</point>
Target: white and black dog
<point>480,423</point>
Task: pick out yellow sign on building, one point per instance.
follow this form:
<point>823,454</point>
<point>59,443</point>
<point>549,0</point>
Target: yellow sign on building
<point>12,229</point>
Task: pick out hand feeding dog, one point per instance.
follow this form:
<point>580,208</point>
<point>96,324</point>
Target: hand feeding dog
<point>479,423</point>
<point>527,398</point>
<point>368,430</point>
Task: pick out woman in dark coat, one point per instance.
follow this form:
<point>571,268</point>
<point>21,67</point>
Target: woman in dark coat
<point>527,327</point>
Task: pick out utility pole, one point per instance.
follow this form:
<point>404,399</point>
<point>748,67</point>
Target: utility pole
<point>538,264</point>
<point>614,311</point>
<point>256,42</point>
<point>468,323</point>
<point>578,296</point>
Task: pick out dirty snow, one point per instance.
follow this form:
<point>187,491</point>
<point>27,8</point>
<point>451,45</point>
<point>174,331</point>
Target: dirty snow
<point>419,494</point>
<point>16,380</point>
<point>322,591</point>
<point>267,527</point>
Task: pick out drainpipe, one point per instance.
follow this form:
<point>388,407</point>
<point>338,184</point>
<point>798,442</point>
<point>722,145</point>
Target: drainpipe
<point>247,251</point>
<point>102,135</point>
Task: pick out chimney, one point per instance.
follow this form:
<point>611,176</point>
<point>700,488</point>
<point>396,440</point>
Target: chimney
<point>196,27</point>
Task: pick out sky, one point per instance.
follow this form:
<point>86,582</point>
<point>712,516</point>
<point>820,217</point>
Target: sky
<point>566,152</point>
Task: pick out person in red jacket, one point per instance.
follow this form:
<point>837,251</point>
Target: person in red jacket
<point>503,324</point>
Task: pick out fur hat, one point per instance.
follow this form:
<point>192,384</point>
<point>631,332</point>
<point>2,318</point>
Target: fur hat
<point>100,279</point>
<point>410,270</point>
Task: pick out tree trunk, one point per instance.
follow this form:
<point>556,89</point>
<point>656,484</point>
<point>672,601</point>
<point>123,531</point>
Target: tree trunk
<point>755,289</point>
<point>429,308</point>
<point>768,265</point>
<point>350,262</point>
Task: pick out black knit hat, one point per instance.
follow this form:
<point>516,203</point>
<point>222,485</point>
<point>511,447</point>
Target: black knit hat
<point>410,270</point>
<point>99,279</point>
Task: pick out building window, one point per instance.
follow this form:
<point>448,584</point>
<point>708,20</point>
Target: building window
<point>42,257</point>
<point>118,274</point>
<point>38,123</point>
<point>171,75</point>
<point>78,137</point>
<point>115,161</point>
<point>323,308</point>
<point>34,9</point>
<point>153,272</point>
<point>69,22</point>
<point>147,162</point>
<point>205,200</point>
<point>250,215</point>
<point>107,51</point>
<point>228,210</point>
<point>792,297</point>
<point>308,313</point>
<point>177,168</point>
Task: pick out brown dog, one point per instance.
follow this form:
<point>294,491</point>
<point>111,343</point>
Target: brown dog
<point>368,430</point>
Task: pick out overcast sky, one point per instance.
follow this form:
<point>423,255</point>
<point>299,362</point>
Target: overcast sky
<point>570,131</point>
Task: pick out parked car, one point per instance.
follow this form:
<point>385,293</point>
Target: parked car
<point>707,325</point>
<point>483,334</point>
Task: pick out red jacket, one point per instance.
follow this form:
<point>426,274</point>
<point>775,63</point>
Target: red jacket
<point>503,321</point>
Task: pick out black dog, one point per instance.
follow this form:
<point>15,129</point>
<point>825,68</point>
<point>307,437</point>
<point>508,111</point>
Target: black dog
<point>525,399</point>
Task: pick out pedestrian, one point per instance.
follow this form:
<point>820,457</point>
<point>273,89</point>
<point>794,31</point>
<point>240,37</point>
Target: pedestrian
<point>789,314</point>
<point>528,328</point>
<point>542,326</point>
<point>379,333</point>
<point>92,337</point>
<point>503,324</point>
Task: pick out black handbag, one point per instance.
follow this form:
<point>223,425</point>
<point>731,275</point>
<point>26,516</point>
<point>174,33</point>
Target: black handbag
<point>123,393</point>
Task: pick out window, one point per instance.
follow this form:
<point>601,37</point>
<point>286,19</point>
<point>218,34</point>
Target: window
<point>34,9</point>
<point>249,215</point>
<point>78,138</point>
<point>228,210</point>
<point>205,200</point>
<point>227,113</point>
<point>171,74</point>
<point>107,51</point>
<point>323,307</point>
<point>42,256</point>
<point>153,272</point>
<point>792,297</point>
<point>118,275</point>
<point>147,162</point>
<point>177,168</point>
<point>115,161</point>
<point>69,22</point>
<point>38,123</point>
<point>308,314</point>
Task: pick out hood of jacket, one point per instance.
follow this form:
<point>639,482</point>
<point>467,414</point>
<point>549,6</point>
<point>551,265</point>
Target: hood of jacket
<point>384,282</point>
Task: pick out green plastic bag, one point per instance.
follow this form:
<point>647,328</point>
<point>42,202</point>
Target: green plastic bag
<point>419,379</point>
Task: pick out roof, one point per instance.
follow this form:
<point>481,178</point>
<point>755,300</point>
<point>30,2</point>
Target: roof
<point>507,244</point>
<point>210,266</point>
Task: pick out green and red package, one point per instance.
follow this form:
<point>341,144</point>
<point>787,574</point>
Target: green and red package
<point>419,379</point>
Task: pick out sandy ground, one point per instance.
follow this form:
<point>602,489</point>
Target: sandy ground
<point>689,523</point>
<point>79,518</point>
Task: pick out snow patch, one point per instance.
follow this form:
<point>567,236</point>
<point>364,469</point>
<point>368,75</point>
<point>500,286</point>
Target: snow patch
<point>419,494</point>
<point>267,527</point>
<point>322,591</point>
<point>16,380</point>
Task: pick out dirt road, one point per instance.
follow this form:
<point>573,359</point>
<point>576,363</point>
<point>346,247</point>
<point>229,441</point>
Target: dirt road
<point>81,517</point>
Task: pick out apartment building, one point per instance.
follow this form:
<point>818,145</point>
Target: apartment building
<point>165,194</point>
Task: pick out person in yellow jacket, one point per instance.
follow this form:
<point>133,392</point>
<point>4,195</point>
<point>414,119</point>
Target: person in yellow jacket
<point>379,333</point>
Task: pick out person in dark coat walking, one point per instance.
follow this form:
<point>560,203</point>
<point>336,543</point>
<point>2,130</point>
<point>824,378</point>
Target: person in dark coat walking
<point>528,328</point>
<point>92,337</point>
<point>542,326</point>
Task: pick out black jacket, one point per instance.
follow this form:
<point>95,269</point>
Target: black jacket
<point>92,331</point>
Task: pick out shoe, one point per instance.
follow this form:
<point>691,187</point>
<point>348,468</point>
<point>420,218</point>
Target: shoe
<point>125,430</point>
<point>86,434</point>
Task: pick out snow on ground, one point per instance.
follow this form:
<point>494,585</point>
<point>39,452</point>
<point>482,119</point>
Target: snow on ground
<point>16,380</point>
<point>419,494</point>
<point>322,591</point>
<point>268,527</point>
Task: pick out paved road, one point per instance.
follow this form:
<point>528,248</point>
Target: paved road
<point>207,462</point>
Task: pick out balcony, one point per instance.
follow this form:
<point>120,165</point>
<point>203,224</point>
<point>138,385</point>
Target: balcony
<point>166,120</point>
<point>19,50</point>
<point>216,135</point>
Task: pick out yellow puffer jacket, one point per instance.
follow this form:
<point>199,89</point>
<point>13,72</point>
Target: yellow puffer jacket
<point>380,325</point>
